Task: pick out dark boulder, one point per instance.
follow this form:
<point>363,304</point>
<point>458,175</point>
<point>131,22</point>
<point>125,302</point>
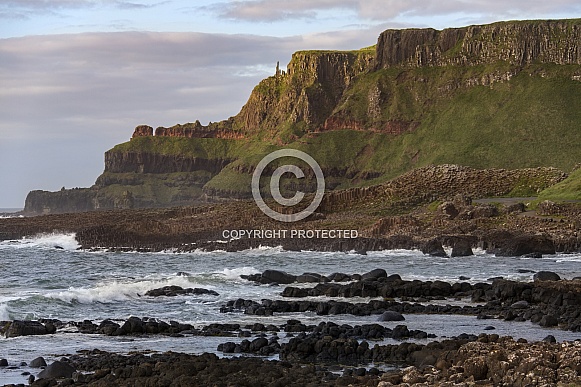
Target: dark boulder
<point>434,248</point>
<point>374,274</point>
<point>518,245</point>
<point>390,315</point>
<point>548,321</point>
<point>3,363</point>
<point>25,328</point>
<point>38,362</point>
<point>277,276</point>
<point>311,277</point>
<point>462,248</point>
<point>174,290</point>
<point>58,369</point>
<point>546,276</point>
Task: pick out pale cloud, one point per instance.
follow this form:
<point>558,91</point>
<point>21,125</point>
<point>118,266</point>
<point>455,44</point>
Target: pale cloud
<point>388,10</point>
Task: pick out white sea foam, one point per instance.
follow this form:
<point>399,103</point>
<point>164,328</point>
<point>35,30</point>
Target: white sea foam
<point>116,291</point>
<point>234,274</point>
<point>4,316</point>
<point>50,241</point>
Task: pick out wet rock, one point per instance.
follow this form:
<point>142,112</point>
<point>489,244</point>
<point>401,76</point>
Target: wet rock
<point>277,276</point>
<point>57,369</point>
<point>550,339</point>
<point>173,290</point>
<point>3,363</point>
<point>548,321</point>
<point>462,248</point>
<point>38,362</point>
<point>546,276</point>
<point>25,328</point>
<point>434,248</point>
<point>391,316</point>
<point>374,274</point>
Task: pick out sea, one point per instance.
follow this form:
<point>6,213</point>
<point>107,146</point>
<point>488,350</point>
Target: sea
<point>48,276</point>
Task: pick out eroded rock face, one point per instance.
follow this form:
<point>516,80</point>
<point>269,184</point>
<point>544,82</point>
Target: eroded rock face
<point>518,43</point>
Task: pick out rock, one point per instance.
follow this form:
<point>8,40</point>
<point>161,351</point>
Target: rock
<point>277,276</point>
<point>463,278</point>
<point>311,277</point>
<point>38,362</point>
<point>25,328</point>
<point>174,290</point>
<point>434,248</point>
<point>400,332</point>
<point>476,367</point>
<point>534,255</point>
<point>258,343</point>
<point>58,369</point>
<point>485,211</point>
<point>390,315</point>
<point>3,363</point>
<point>546,276</point>
<point>515,207</point>
<point>520,305</point>
<point>548,321</point>
<point>449,209</point>
<point>550,339</point>
<point>489,328</point>
<point>512,245</point>
<point>374,274</point>
<point>462,248</point>
<point>339,277</point>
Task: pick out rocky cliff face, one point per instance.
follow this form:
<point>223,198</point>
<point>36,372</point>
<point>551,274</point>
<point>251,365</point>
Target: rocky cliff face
<point>503,95</point>
<point>147,162</point>
<point>517,43</point>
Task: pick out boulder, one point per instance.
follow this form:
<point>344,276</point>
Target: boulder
<point>311,277</point>
<point>546,276</point>
<point>449,209</point>
<point>391,315</point>
<point>548,321</point>
<point>58,369</point>
<point>25,328</point>
<point>462,248</point>
<point>434,248</point>
<point>3,363</point>
<point>174,290</point>
<point>374,274</point>
<point>38,362</point>
<point>520,305</point>
<point>518,245</point>
<point>277,276</point>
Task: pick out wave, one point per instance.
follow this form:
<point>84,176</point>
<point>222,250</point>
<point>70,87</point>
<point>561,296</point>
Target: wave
<point>116,291</point>
<point>44,241</point>
<point>234,274</point>
<point>4,315</point>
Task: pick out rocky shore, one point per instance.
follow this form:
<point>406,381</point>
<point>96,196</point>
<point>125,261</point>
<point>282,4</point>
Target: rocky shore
<point>338,354</point>
<point>311,360</point>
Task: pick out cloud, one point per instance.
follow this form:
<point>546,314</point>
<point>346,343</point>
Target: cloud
<point>389,10</point>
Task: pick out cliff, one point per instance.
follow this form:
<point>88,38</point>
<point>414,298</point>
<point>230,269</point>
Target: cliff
<point>504,95</point>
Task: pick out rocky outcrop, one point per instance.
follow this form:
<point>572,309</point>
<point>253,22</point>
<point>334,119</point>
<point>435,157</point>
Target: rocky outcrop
<point>517,43</point>
<point>148,162</point>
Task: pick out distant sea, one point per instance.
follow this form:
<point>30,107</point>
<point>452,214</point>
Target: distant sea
<point>5,212</point>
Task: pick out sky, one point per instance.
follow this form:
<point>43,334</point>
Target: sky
<point>77,76</point>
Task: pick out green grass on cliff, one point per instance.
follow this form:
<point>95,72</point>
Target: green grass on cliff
<point>534,119</point>
<point>568,189</point>
<point>208,148</point>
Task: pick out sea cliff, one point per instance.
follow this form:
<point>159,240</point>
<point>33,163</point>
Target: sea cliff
<point>503,95</point>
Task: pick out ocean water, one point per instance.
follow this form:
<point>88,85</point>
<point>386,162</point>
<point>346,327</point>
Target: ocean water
<point>47,276</point>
